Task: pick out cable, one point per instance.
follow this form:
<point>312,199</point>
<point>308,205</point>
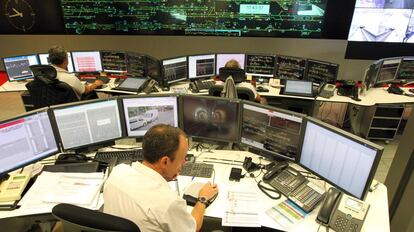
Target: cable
<point>264,189</point>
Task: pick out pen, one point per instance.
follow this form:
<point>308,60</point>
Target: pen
<point>236,161</point>
<point>192,178</point>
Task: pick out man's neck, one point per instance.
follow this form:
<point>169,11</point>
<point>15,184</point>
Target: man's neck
<point>61,66</point>
<point>154,167</point>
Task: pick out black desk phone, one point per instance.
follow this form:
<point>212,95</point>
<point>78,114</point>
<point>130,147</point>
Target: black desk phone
<point>342,212</point>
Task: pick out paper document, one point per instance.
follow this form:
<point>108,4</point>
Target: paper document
<point>242,209</point>
<point>286,214</point>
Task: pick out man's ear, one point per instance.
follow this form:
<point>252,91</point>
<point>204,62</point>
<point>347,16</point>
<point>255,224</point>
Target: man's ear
<point>164,160</point>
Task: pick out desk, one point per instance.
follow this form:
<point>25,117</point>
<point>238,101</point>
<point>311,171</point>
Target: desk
<point>14,86</point>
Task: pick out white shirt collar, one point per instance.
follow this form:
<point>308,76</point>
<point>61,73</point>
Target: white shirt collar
<point>147,171</point>
<point>58,69</point>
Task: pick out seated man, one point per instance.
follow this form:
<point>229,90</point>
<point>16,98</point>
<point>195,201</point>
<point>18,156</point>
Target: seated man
<point>141,193</point>
<point>59,59</point>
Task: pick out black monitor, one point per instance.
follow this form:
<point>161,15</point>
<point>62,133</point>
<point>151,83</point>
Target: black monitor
<point>344,160</point>
<point>17,67</point>
<point>289,67</point>
<point>143,112</point>
<point>87,123</point>
<point>175,69</point>
<point>201,66</point>
<point>298,88</point>
<point>260,65</point>
<point>114,61</point>
<point>26,139</point>
<point>371,73</point>
<point>153,68</point>
<point>223,58</point>
<point>210,119</point>
<point>87,61</point>
<point>321,71</point>
<point>44,59</point>
<point>389,70</point>
<point>136,64</point>
<point>271,132</point>
<point>406,70</point>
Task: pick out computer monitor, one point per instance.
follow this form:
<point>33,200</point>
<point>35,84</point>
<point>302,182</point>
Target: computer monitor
<point>87,123</point>
<point>223,58</point>
<point>26,139</point>
<point>371,74</point>
<point>289,67</point>
<point>17,67</point>
<point>389,70</point>
<point>271,132</point>
<point>153,68</point>
<point>298,88</point>
<point>175,69</point>
<point>44,59</point>
<point>344,160</point>
<point>141,113</point>
<point>136,64</point>
<point>114,61</point>
<point>210,119</point>
<point>260,65</point>
<point>201,66</point>
<point>87,61</point>
<point>321,71</point>
<point>406,70</point>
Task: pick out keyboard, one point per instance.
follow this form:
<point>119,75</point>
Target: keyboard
<point>117,157</point>
<point>205,84</point>
<point>197,169</point>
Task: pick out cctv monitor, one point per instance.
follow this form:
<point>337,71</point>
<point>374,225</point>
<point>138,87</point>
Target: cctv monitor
<point>87,61</point>
<point>113,61</point>
<point>389,70</point>
<point>141,113</point>
<point>44,59</point>
<point>175,69</point>
<point>321,71</point>
<point>17,67</point>
<point>344,160</point>
<point>271,132</point>
<point>260,65</point>
<point>210,119</point>
<point>201,66</point>
<point>26,139</point>
<point>289,67</point>
<point>223,58</point>
<point>88,123</point>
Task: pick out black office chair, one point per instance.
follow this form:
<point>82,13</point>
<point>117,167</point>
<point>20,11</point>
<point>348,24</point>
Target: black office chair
<point>238,74</point>
<point>46,89</point>
<point>78,219</point>
<point>242,92</point>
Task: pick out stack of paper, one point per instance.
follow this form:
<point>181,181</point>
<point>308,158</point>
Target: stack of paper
<point>242,210</point>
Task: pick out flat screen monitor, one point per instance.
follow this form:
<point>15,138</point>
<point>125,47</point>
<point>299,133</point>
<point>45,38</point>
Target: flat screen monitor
<point>298,88</point>
<point>210,119</point>
<point>406,70</point>
<point>136,64</point>
<point>87,61</point>
<point>321,71</point>
<point>270,131</point>
<point>289,67</point>
<point>141,113</point>
<point>222,59</point>
<point>371,74</point>
<point>153,68</point>
<point>44,59</point>
<point>81,125</point>
<point>114,61</point>
<point>201,66</point>
<point>175,69</point>
<point>344,160</point>
<point>17,67</point>
<point>260,65</point>
<point>26,139</point>
<point>389,70</point>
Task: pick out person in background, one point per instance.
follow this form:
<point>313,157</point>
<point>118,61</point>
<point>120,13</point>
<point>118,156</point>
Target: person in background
<point>59,59</point>
<point>141,192</point>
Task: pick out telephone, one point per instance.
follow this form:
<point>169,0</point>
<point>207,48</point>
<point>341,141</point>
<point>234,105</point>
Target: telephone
<point>193,87</point>
<point>276,169</point>
<point>13,188</point>
<point>395,89</point>
<point>249,165</point>
<point>342,212</point>
<point>326,90</point>
<point>348,89</point>
<point>149,86</point>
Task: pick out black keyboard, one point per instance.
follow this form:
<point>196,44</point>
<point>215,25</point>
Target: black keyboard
<point>205,84</point>
<point>197,169</point>
<point>118,157</point>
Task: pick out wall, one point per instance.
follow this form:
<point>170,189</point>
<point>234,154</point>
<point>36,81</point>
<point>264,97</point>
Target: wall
<point>170,46</point>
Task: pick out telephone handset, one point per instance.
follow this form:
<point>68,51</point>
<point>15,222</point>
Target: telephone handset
<point>342,212</point>
<point>149,86</point>
<point>276,169</point>
<point>326,90</point>
<point>12,189</point>
<point>193,87</point>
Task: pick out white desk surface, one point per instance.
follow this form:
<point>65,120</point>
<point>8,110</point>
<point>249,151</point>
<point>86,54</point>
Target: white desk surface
<point>13,86</point>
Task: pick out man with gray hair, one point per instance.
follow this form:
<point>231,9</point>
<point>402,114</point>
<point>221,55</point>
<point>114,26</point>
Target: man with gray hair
<point>59,59</point>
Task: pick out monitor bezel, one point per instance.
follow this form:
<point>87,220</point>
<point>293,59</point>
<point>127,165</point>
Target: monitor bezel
<point>261,75</point>
<point>122,108</point>
<point>163,70</point>
<point>114,71</point>
<point>325,63</point>
<point>24,77</point>
<point>73,61</point>
<point>225,53</point>
<point>266,153</point>
<point>30,113</point>
<point>352,137</point>
<point>201,77</point>
<point>80,103</point>
<point>377,81</point>
<point>207,139</point>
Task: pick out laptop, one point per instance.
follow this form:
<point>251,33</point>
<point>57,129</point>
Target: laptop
<point>131,84</point>
<point>298,88</point>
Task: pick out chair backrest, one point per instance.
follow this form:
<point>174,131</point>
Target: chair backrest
<point>78,219</point>
<point>46,89</point>
<point>242,92</point>
<point>238,74</point>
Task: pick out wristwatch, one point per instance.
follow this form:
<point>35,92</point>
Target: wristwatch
<point>203,200</point>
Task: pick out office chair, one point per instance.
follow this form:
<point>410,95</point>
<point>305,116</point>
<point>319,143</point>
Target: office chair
<point>242,92</point>
<point>238,74</point>
<point>46,89</point>
<point>78,219</point>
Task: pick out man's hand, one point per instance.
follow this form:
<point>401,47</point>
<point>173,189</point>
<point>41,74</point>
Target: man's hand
<point>208,191</point>
<point>98,83</point>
